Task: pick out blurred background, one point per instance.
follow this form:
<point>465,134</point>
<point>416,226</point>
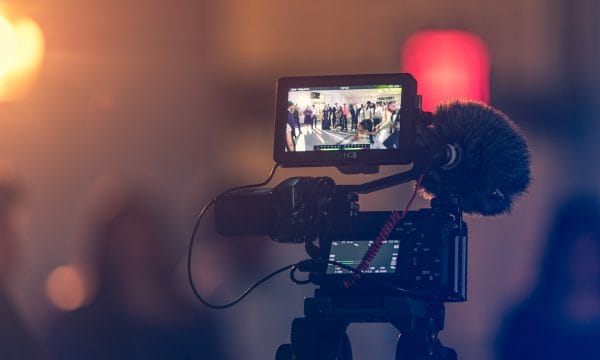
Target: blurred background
<point>104,104</point>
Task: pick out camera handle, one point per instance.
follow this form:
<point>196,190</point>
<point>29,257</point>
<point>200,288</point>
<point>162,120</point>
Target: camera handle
<point>420,165</point>
<point>321,333</point>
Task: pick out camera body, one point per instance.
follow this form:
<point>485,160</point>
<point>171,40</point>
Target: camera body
<point>425,255</point>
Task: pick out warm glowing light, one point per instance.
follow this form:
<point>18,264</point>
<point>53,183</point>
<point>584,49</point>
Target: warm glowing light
<point>21,55</point>
<point>65,287</point>
<point>8,46</point>
<point>30,46</point>
<point>447,65</point>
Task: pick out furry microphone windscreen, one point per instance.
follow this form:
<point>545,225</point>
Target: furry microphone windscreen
<point>493,166</point>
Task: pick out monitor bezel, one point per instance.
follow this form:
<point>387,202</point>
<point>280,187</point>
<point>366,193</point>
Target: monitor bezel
<point>408,110</point>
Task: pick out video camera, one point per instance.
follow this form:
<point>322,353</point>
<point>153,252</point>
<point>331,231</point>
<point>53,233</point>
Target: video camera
<point>376,266</point>
<point>424,254</point>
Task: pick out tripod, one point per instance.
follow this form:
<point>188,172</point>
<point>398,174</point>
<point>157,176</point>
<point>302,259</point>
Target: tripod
<point>321,333</point>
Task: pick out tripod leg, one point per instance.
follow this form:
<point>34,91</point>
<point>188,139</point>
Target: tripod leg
<point>448,353</point>
<point>410,347</point>
<point>345,348</point>
<point>320,339</point>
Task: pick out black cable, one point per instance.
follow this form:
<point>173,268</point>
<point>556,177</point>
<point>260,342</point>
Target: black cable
<point>293,276</point>
<point>269,178</point>
<point>191,247</point>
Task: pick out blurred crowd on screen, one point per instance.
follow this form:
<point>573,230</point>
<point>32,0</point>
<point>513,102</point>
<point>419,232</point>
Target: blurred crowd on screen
<point>376,124</point>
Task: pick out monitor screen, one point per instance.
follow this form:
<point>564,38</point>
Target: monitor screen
<point>343,118</point>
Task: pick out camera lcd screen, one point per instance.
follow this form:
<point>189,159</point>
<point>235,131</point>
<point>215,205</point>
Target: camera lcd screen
<point>345,120</point>
<point>350,253</point>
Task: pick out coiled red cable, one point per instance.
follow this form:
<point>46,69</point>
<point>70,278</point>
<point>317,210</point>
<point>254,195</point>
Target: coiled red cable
<point>383,235</point>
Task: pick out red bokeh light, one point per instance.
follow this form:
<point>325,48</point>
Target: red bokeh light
<point>447,65</point>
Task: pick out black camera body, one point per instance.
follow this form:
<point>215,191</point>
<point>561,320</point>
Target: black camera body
<point>424,256</point>
<point>292,212</point>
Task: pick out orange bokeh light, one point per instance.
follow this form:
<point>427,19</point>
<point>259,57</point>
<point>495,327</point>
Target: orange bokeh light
<point>66,288</point>
<point>8,46</point>
<point>21,55</point>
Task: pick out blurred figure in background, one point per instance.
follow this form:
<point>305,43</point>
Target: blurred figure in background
<point>354,114</point>
<point>296,117</point>
<point>315,117</point>
<point>561,319</point>
<point>345,113</point>
<point>326,124</point>
<point>362,134</point>
<point>16,341</point>
<point>308,119</point>
<point>135,313</point>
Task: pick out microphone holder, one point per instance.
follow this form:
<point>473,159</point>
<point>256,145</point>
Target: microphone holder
<point>420,165</point>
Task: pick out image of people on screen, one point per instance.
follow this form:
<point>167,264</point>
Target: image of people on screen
<point>326,119</point>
